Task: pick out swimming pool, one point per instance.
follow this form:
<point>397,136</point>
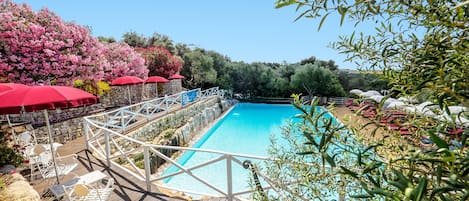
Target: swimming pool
<point>246,129</point>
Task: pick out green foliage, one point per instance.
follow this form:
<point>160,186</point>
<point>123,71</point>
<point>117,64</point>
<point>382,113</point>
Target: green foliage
<point>156,40</point>
<point>361,80</point>
<point>9,155</point>
<point>420,47</point>
<point>327,64</point>
<point>103,39</point>
<point>326,155</point>
<point>198,69</point>
<point>138,157</point>
<point>314,80</point>
<point>134,40</point>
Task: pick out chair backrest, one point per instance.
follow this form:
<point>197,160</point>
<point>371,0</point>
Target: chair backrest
<point>86,192</point>
<point>81,190</point>
<point>42,159</point>
<point>26,139</point>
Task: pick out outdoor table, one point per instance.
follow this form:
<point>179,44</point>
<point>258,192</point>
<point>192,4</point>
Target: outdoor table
<point>87,179</point>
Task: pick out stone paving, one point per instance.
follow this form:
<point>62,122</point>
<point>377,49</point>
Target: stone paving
<point>126,187</point>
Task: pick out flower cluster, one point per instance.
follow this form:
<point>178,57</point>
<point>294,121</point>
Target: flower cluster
<point>160,61</point>
<point>40,48</point>
<point>124,60</point>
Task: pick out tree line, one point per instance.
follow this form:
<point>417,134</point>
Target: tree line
<point>207,68</point>
<point>41,48</point>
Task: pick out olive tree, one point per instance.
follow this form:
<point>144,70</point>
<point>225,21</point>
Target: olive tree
<point>420,47</point>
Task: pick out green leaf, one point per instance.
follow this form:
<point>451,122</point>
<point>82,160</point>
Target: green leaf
<point>343,14</point>
<point>283,3</point>
<point>348,172</point>
<point>419,192</point>
<point>371,167</point>
<point>437,140</point>
<point>311,139</point>
<point>305,153</point>
<point>322,21</point>
<point>329,159</point>
<point>362,196</point>
<point>302,15</point>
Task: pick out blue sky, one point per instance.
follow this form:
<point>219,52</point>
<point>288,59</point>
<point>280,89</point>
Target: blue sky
<point>244,30</point>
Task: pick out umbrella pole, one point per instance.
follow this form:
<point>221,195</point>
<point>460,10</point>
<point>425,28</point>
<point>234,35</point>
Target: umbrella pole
<point>12,130</point>
<point>143,91</point>
<point>49,131</point>
<point>130,98</point>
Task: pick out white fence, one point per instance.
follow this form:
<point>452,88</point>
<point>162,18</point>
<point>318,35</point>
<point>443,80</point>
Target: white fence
<point>103,133</point>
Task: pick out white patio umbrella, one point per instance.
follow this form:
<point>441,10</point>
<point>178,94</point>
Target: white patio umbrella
<point>460,121</point>
<point>377,98</point>
<point>356,91</point>
<point>408,99</point>
<point>457,109</point>
<point>428,104</point>
<point>369,94</point>
<point>388,101</point>
<point>394,105</point>
<point>418,110</point>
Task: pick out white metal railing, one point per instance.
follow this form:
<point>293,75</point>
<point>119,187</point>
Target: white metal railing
<point>108,145</point>
<point>103,133</point>
<point>120,119</point>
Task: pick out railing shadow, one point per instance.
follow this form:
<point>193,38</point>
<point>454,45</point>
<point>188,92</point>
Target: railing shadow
<point>126,188</point>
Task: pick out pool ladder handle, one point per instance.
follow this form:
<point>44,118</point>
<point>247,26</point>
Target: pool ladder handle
<point>247,164</point>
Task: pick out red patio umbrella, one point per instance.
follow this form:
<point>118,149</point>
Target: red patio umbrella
<point>36,98</point>
<point>9,86</point>
<point>176,76</point>
<point>156,79</point>
<point>127,80</point>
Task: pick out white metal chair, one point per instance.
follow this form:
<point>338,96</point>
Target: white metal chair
<point>41,160</point>
<point>88,192</point>
<point>26,140</point>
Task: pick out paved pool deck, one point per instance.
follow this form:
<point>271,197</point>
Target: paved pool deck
<point>126,187</point>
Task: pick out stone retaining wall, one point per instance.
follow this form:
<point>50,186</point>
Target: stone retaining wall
<point>67,124</point>
<point>184,121</point>
<point>119,95</point>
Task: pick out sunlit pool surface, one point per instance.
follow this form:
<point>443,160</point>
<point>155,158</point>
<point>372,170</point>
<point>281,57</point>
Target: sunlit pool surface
<point>246,129</point>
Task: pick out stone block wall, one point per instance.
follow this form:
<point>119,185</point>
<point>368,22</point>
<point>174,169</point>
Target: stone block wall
<point>175,86</point>
<point>119,95</point>
<point>185,121</point>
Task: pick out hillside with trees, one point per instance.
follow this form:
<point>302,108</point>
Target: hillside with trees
<point>41,48</point>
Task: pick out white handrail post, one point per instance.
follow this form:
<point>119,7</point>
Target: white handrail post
<point>229,178</point>
<point>86,127</point>
<point>108,149</point>
<point>166,103</point>
<point>146,160</point>
<point>122,119</point>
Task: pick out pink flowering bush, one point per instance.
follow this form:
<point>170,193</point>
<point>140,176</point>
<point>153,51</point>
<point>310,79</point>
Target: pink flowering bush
<point>124,60</point>
<point>40,48</point>
<point>160,61</point>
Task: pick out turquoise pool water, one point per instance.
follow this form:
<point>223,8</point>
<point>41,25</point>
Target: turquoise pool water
<point>246,129</point>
